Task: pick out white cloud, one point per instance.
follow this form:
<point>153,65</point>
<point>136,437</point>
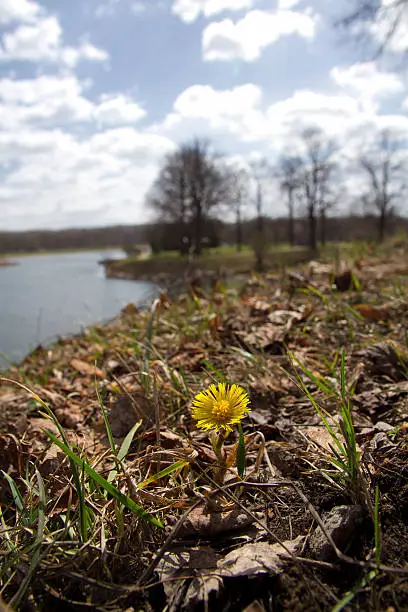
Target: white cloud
<point>50,173</point>
<point>233,110</point>
<point>239,111</point>
<point>55,174</point>
<point>204,101</point>
<point>61,98</point>
<point>240,115</point>
<point>367,82</point>
<point>18,10</point>
<point>118,109</point>
<point>45,98</point>
<point>190,10</point>
<point>248,37</point>
<point>42,41</point>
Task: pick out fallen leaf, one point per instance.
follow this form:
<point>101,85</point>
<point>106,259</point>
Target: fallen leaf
<point>258,558</point>
<point>200,524</point>
<point>372,313</point>
<point>129,309</point>
<point>320,436</point>
<point>168,439</point>
<point>86,369</point>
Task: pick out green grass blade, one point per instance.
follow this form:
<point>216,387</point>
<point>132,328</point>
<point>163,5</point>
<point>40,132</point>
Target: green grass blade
<point>105,420</point>
<point>220,375</point>
<point>124,448</point>
<point>35,558</point>
<point>343,374</point>
<point>348,598</point>
<point>168,470</point>
<point>49,413</point>
<point>103,483</point>
<point>17,498</point>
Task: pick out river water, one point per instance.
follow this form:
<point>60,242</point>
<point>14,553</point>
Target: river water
<point>46,296</point>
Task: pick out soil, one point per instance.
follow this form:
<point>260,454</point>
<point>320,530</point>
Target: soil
<point>281,337</point>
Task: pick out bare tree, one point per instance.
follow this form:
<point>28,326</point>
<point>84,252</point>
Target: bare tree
<point>168,194</point>
<point>260,171</point>
<point>387,19</point>
<point>316,176</point>
<point>385,173</point>
<point>238,196</point>
<point>289,174</point>
<point>331,193</point>
<point>190,184</point>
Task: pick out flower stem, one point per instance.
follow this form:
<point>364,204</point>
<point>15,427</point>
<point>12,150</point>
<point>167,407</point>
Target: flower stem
<point>217,441</point>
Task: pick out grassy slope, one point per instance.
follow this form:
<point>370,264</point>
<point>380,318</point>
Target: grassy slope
<point>69,538</point>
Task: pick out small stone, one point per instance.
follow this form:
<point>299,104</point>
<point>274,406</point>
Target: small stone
<point>341,524</point>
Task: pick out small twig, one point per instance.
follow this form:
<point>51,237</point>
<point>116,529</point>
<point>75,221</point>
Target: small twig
<point>314,513</point>
<point>156,409</point>
<point>162,550</point>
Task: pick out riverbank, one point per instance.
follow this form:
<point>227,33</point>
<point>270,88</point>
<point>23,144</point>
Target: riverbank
<point>280,336</point>
<point>48,296</point>
<point>217,264</point>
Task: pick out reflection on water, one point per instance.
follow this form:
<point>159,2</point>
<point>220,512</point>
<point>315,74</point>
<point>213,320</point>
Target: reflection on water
<point>47,296</point>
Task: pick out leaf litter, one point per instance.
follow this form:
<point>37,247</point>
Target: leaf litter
<point>291,535</point>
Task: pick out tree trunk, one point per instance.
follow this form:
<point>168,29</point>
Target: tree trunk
<point>259,217</point>
<point>198,228</point>
<point>239,230</point>
<point>382,221</point>
<point>291,224</point>
<point>312,229</point>
<point>323,227</point>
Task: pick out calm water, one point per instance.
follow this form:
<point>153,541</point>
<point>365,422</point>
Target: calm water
<point>47,296</point>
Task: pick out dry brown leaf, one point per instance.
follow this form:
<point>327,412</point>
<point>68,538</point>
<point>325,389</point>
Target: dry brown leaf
<point>320,436</point>
<point>87,369</point>
<point>129,309</point>
<point>200,524</point>
<point>168,439</point>
<point>258,558</point>
<point>372,313</point>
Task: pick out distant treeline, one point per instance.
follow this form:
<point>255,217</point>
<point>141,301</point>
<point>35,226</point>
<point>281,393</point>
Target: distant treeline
<point>276,230</point>
<point>92,238</point>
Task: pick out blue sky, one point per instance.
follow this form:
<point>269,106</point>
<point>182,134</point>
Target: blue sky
<point>93,93</point>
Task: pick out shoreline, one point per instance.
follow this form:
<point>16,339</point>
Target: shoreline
<point>64,339</point>
<point>208,269</point>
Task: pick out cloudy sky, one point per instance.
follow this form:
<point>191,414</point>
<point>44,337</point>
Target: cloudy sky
<point>93,93</point>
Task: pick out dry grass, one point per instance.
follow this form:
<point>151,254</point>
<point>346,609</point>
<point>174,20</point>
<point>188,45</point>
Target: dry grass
<point>327,374</point>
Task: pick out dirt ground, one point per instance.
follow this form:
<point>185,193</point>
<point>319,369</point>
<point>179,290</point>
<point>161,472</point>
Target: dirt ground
<point>296,533</point>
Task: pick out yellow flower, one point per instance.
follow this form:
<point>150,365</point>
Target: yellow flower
<point>220,406</point>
